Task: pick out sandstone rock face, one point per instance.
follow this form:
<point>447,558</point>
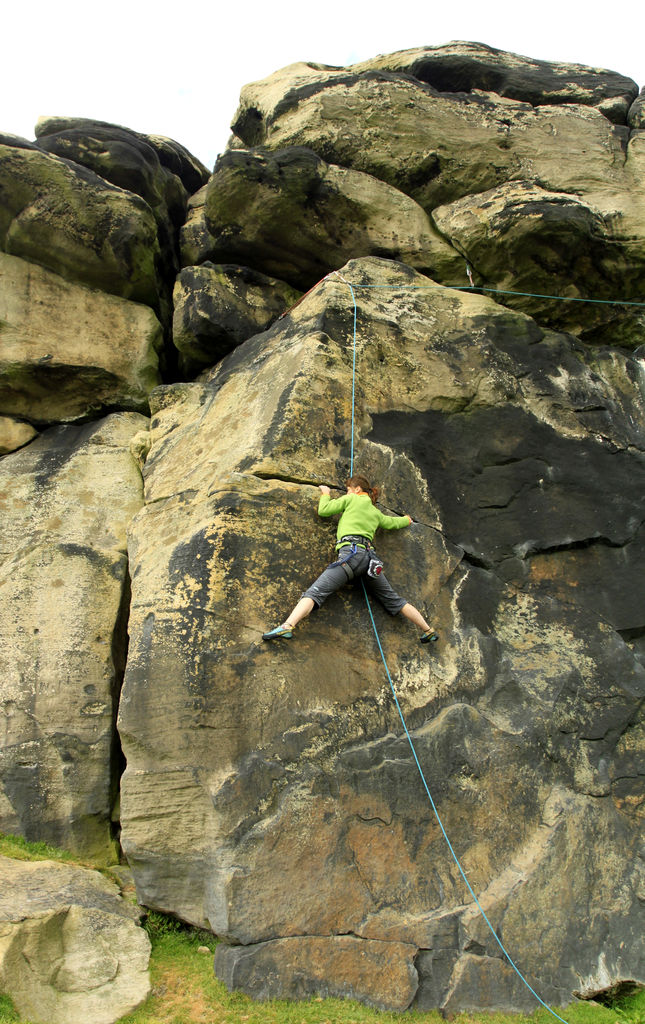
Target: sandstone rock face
<point>69,220</point>
<point>218,307</point>
<point>527,238</point>
<point>195,240</point>
<point>470,67</point>
<point>293,216</point>
<point>69,351</point>
<point>270,793</point>
<point>338,966</point>
<point>70,948</point>
<point>65,501</point>
<point>268,790</point>
<point>478,144</point>
<point>459,67</point>
<point>636,116</point>
<point>171,155</point>
<point>14,434</point>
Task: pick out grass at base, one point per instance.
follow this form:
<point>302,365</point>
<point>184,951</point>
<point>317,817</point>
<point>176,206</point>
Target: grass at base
<point>185,990</point>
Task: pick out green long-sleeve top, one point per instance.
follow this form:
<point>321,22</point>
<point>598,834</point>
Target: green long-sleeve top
<point>358,516</point>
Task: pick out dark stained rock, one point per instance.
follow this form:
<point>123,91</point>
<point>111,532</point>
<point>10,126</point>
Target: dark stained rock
<point>306,821</point>
<point>71,221</point>
<point>340,965</point>
<point>469,67</point>
<point>292,216</point>
<point>134,163</point>
<point>172,155</point>
<point>16,140</point>
<point>218,307</point>
<point>522,238</point>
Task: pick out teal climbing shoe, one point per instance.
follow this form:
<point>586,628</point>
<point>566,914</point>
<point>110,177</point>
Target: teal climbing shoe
<point>429,636</point>
<point>279,633</point>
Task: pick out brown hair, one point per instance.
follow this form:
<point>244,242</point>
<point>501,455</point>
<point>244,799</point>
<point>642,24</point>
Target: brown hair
<point>364,484</point>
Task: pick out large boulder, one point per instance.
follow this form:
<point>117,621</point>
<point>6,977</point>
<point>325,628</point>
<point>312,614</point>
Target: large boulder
<point>468,67</point>
<point>159,170</point>
<point>171,155</point>
<point>70,948</point>
<point>293,216</point>
<point>528,240</point>
<point>218,307</point>
<point>269,792</point>
<point>71,221</point>
<point>66,501</point>
<point>446,145</point>
<point>520,171</point>
<point>69,351</point>
<point>457,67</point>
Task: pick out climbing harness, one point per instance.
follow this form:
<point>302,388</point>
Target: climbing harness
<point>396,699</point>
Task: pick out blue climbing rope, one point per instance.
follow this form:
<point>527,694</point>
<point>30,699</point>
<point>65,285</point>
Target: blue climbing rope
<point>501,291</point>
<point>398,706</point>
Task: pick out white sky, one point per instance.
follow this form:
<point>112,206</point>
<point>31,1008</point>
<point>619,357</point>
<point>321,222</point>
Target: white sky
<point>177,69</point>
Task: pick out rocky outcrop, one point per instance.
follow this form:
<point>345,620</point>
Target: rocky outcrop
<point>70,948</point>
<point>69,220</point>
<point>66,501</point>
<point>478,144</point>
<point>218,307</point>
<point>475,67</point>
<point>270,793</point>
<point>133,146</point>
<point>304,819</point>
<point>68,351</point>
<point>159,170</point>
<point>292,216</point>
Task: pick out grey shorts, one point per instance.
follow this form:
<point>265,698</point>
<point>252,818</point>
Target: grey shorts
<point>334,577</point>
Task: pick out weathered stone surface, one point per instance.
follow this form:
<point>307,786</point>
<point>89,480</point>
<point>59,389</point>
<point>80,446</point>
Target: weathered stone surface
<point>195,240</point>
<point>457,67</point>
<point>172,155</point>
<point>636,117</point>
<point>123,158</point>
<point>446,145</point>
<point>69,351</point>
<point>16,140</point>
<point>468,67</point>
<point>339,965</point>
<point>291,215</point>
<point>65,502</point>
<point>268,789</point>
<point>70,948</point>
<point>14,434</point>
<point>218,307</point>
<point>480,144</point>
<point>71,221</point>
<point>526,239</point>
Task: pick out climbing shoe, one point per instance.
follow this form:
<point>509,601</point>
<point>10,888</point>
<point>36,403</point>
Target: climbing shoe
<point>428,636</point>
<point>279,633</point>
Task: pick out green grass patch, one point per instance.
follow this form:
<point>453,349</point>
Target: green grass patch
<point>186,991</point>
<point>20,849</point>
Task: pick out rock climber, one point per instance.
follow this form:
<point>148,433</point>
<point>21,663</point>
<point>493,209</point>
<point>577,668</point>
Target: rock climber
<point>357,559</point>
